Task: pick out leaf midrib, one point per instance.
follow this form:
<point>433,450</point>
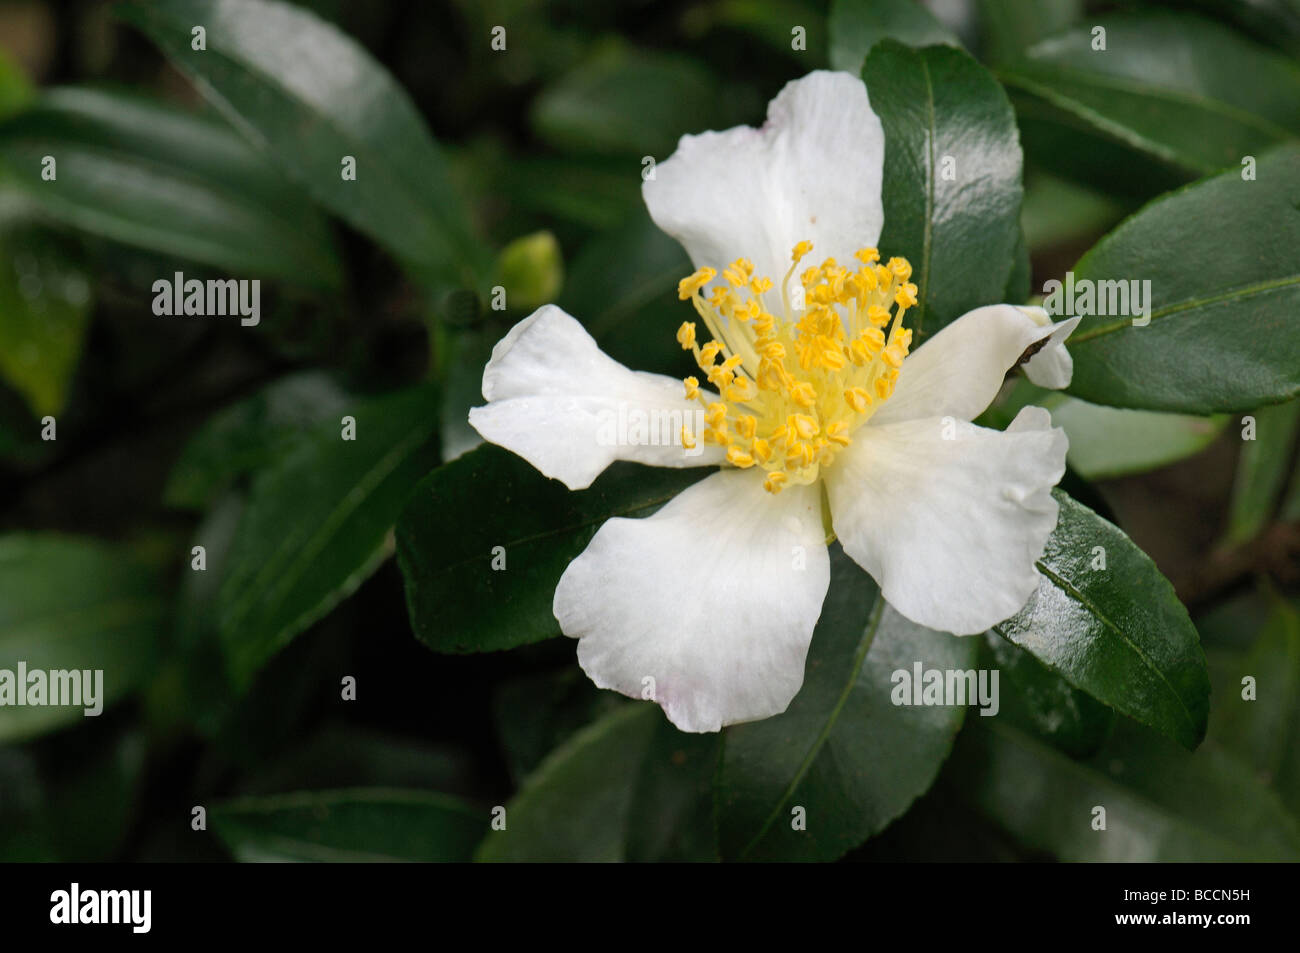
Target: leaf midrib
<point>1069,589</point>
<point>1240,292</point>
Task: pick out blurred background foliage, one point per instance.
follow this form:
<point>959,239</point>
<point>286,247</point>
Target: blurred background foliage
<point>174,430</point>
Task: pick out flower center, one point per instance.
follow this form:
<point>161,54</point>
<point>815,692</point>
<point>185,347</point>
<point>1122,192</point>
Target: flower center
<point>794,387</point>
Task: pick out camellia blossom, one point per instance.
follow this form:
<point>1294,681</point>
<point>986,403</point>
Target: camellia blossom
<point>825,426</point>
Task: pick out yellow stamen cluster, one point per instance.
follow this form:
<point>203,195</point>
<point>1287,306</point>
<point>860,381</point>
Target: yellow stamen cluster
<point>795,387</point>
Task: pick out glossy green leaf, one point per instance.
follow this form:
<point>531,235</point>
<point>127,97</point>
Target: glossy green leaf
<point>1037,700</point>
<point>843,751</point>
<point>952,177</point>
<point>1263,469</point>
<point>360,825</point>
<point>492,505</point>
<point>308,96</point>
<point>248,435</point>
<point>858,25</point>
<point>1218,339</point>
<point>1141,91</point>
<point>159,178</point>
<point>576,805</point>
<point>1108,622</point>
<point>629,102</point>
<point>44,310</point>
<point>1162,804</point>
<point>318,522</point>
<point>74,604</point>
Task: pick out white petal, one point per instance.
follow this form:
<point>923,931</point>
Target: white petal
<point>568,408</point>
<point>714,598</point>
<point>949,528</point>
<point>813,171</point>
<point>957,372</point>
<point>1052,367</point>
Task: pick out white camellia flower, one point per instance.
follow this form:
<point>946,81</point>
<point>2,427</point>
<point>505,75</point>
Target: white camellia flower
<point>824,425</point>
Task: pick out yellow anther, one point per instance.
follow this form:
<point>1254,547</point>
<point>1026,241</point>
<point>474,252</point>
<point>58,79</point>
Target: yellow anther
<point>715,414</point>
<point>867,256</point>
<point>694,282</point>
<point>804,394</point>
<point>884,387</point>
<point>858,399</point>
<point>894,354</point>
<point>692,387</point>
<point>905,297</point>
<point>709,353</point>
<point>901,268</point>
<point>761,449</point>
<point>878,316</point>
<point>742,392</point>
<point>774,481</point>
<point>760,285</point>
<point>739,458</point>
<point>803,425</point>
<point>688,441</point>
<point>686,335</point>
<point>801,249</point>
<point>838,433</point>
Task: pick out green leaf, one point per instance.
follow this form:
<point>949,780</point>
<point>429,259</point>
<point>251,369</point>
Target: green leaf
<point>1221,338</point>
<point>1057,211</point>
<point>74,604</point>
<point>1118,633</point>
<point>535,713</point>
<point>843,751</point>
<point>159,178</point>
<point>248,435</point>
<point>307,96</point>
<point>1262,470</point>
<point>1107,442</point>
<point>577,805</point>
<point>449,533</point>
<point>858,25</point>
<point>44,310</point>
<point>1008,27</point>
<point>622,287</point>
<point>626,101</point>
<point>671,817</point>
<point>1037,700</point>
<point>1162,804</point>
<point>957,222</point>
<point>317,524</point>
<point>1265,730</point>
<point>359,825</point>
<point>1239,99</point>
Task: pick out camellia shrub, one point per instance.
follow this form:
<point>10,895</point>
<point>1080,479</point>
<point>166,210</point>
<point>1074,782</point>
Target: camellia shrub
<point>693,431</point>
